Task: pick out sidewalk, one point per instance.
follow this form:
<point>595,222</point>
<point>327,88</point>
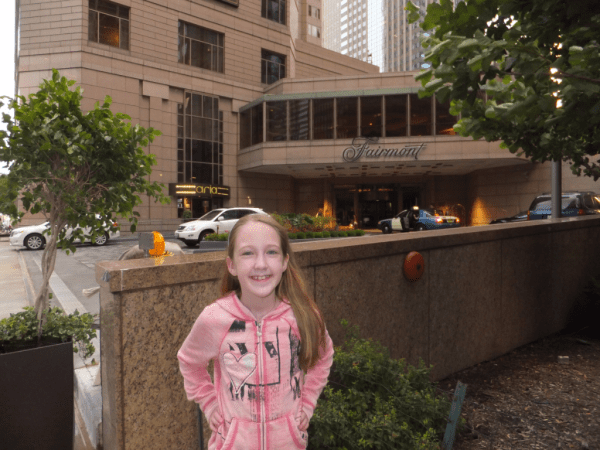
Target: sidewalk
<point>17,292</point>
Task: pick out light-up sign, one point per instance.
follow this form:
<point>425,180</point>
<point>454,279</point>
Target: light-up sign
<point>198,190</point>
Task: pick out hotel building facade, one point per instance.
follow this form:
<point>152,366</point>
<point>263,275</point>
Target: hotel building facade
<point>255,112</point>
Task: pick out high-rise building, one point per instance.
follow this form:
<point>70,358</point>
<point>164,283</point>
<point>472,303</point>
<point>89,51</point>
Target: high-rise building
<point>346,25</point>
<point>402,49</point>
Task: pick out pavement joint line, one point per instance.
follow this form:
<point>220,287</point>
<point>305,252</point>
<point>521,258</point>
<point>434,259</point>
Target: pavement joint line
<point>68,301</point>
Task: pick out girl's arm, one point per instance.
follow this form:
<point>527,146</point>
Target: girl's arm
<point>198,349</point>
<point>316,379</point>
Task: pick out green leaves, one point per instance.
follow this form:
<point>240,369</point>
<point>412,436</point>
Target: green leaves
<point>376,402</point>
<point>506,49</point>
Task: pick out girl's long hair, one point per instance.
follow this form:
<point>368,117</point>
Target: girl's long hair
<point>291,289</point>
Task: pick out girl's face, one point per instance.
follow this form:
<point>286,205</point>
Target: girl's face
<point>258,261</point>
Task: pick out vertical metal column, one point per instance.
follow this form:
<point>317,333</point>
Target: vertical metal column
<point>556,189</point>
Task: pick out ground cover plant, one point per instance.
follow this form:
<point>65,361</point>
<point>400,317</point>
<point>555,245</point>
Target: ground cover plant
<point>376,402</point>
<point>295,223</point>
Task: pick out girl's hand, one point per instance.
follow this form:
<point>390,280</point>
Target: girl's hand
<point>215,420</point>
<point>303,424</point>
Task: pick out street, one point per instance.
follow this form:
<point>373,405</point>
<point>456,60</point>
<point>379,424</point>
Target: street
<point>76,271</point>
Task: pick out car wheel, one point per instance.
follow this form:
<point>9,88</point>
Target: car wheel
<point>386,229</point>
<point>101,240</point>
<point>191,244</point>
<point>421,227</point>
<point>34,242</point>
<point>203,235</point>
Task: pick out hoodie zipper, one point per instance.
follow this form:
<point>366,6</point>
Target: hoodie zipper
<point>263,444</point>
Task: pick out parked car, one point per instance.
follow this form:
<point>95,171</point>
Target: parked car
<point>519,217</point>
<point>34,238</point>
<point>573,204</point>
<point>419,220</point>
<point>216,221</point>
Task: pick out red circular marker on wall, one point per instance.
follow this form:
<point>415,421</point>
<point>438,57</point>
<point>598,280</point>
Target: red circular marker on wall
<point>414,266</point>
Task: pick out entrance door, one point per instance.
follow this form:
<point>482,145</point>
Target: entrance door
<point>344,208</point>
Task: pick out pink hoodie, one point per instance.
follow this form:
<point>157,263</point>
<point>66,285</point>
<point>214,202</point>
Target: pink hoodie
<point>259,387</point>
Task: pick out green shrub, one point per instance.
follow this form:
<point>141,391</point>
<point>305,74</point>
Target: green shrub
<point>309,235</point>
<point>342,233</point>
<point>360,232</point>
<point>216,237</point>
<point>326,234</point>
<point>293,235</point>
<point>300,235</point>
<point>318,234</point>
<point>20,329</point>
<point>187,214</point>
<point>334,234</point>
<point>351,232</point>
<point>375,402</point>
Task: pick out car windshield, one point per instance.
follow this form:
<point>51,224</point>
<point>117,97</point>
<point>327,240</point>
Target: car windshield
<point>545,203</point>
<point>211,215</point>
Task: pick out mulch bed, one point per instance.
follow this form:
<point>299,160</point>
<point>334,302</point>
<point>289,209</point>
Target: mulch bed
<point>526,399</point>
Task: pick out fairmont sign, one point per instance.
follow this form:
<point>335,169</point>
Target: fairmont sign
<point>361,147</point>
<point>198,190</point>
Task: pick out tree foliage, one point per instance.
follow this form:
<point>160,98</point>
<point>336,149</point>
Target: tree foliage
<point>76,168</point>
<point>525,55</point>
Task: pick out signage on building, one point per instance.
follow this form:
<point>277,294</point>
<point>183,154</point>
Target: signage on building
<point>198,190</point>
<point>361,146</point>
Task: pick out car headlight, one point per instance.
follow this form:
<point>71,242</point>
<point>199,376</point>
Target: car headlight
<point>17,232</point>
<point>190,228</point>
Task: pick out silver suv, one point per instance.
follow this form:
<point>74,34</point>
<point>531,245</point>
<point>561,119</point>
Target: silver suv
<point>217,221</point>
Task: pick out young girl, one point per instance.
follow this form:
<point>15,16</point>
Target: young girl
<point>267,338</point>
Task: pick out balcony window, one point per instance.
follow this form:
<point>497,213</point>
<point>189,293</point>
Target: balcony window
<point>323,118</point>
<point>347,117</point>
<point>277,121</point>
<point>444,121</point>
<point>370,116</point>
<point>420,116</point>
<point>299,120</point>
<point>396,119</point>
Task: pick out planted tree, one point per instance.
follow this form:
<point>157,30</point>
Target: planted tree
<point>526,72</point>
<point>78,169</point>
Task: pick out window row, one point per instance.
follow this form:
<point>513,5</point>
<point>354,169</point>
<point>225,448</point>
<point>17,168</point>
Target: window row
<point>345,118</point>
<point>198,46</point>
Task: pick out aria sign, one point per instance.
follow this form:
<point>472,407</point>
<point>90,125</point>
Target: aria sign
<point>198,190</point>
<point>360,147</point>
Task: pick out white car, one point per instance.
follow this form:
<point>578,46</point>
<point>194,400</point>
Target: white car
<point>33,237</point>
<point>217,221</point>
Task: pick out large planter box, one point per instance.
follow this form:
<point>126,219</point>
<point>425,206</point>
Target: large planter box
<point>36,398</point>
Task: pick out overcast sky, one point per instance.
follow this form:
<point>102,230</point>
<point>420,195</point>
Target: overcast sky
<point>7,52</point>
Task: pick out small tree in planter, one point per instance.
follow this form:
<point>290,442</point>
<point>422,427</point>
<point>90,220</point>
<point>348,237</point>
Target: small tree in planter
<point>76,168</point>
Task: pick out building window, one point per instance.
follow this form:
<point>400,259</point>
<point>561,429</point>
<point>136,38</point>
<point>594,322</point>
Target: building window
<point>299,120</point>
<point>200,47</point>
<point>199,140</point>
<point>323,118</point>
<point>420,116</point>
<point>347,117</point>
<point>314,12</point>
<point>272,67</point>
<point>395,115</point>
<point>314,31</point>
<point>444,121</point>
<point>277,121</point>
<point>109,24</point>
<point>370,116</point>
<point>274,10</point>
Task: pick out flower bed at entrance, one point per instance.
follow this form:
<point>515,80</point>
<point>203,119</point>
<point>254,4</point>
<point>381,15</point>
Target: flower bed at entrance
<point>296,223</point>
